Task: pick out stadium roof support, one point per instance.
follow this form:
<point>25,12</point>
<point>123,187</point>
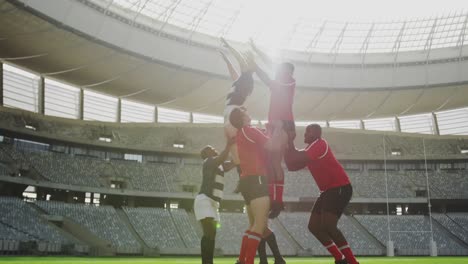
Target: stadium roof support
<point>41,95</point>
<point>1,83</point>
<point>81,105</point>
<point>435,125</point>
<point>119,110</point>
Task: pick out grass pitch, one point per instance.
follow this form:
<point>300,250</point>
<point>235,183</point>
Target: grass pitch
<point>194,260</point>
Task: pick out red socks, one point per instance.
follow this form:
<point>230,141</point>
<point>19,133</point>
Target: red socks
<point>252,244</point>
<point>333,249</point>
<point>347,252</point>
<point>243,246</point>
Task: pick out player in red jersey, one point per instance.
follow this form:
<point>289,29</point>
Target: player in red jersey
<point>280,122</point>
<point>251,145</point>
<point>335,191</point>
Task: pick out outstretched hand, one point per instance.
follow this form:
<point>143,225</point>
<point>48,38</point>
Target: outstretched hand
<point>224,42</point>
<point>276,208</point>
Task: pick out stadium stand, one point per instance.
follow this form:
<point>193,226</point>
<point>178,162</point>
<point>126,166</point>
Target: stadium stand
<point>354,144</point>
<point>411,234</point>
<point>171,177</point>
<point>156,227</point>
<point>189,232</point>
<point>457,229</point>
<point>103,221</point>
<point>20,218</point>
<point>296,223</point>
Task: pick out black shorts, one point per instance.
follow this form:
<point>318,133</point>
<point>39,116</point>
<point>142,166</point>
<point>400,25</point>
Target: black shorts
<point>333,200</point>
<point>253,187</point>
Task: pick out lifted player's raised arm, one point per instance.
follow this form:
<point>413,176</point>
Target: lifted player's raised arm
<point>241,59</point>
<point>234,74</point>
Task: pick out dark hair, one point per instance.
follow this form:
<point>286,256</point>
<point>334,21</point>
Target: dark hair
<point>288,66</point>
<point>204,152</point>
<point>315,127</point>
<point>236,118</point>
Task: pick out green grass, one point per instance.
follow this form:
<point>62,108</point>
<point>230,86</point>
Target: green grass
<point>193,260</point>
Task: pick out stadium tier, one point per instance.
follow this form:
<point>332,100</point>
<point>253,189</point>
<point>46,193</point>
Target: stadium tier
<point>347,144</point>
<point>101,221</point>
<point>149,176</point>
<point>176,230</point>
<point>412,234</point>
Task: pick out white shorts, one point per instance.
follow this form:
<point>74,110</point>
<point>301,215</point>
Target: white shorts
<point>205,207</point>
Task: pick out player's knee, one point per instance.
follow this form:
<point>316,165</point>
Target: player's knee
<point>314,228</point>
<point>331,228</point>
<point>211,234</point>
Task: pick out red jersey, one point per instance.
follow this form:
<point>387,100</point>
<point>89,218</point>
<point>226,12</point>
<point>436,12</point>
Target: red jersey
<point>326,170</point>
<point>250,146</point>
<point>281,100</point>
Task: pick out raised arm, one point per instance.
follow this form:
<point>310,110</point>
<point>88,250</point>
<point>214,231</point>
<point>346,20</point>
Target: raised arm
<point>234,74</point>
<point>263,56</point>
<point>263,76</point>
<point>221,158</point>
<point>295,159</point>
<point>239,57</point>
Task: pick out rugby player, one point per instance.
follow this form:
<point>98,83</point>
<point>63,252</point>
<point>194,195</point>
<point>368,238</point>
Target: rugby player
<point>241,89</point>
<point>251,144</point>
<point>280,122</point>
<point>207,201</point>
<point>335,191</point>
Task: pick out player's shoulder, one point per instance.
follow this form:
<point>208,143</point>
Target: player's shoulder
<point>249,132</point>
<point>320,142</point>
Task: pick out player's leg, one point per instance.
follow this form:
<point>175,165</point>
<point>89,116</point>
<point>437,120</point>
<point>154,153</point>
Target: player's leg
<point>318,230</point>
<point>260,208</point>
<point>335,202</point>
<point>275,155</point>
<point>262,248</point>
<point>245,236</point>
<point>208,239</point>
<point>270,238</point>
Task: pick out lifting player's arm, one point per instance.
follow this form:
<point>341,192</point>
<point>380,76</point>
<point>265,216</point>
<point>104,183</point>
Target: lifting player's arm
<point>221,158</point>
<point>295,159</point>
<point>263,76</point>
<point>263,56</point>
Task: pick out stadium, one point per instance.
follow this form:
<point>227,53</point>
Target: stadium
<point>105,106</point>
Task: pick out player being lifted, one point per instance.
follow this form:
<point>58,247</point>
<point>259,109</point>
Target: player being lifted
<point>207,201</point>
<point>280,122</point>
<point>335,191</point>
<point>241,89</point>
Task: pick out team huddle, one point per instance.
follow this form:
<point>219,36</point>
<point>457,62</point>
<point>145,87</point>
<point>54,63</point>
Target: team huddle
<point>257,154</point>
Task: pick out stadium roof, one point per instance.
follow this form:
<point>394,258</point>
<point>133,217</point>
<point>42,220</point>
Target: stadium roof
<point>311,26</point>
<point>191,77</point>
